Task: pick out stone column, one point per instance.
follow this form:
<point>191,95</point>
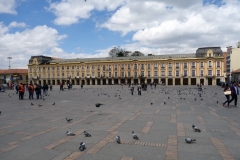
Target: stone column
<point>107,81</point>
<point>189,81</point>
<point>173,81</point>
<point>151,80</point>
<point>119,81</point>
<point>125,80</point>
<point>166,79</point>
<point>159,81</point>
<point>181,81</point>
<point>95,81</point>
<point>90,81</point>
<point>101,81</point>
<point>139,81</point>
<point>131,80</point>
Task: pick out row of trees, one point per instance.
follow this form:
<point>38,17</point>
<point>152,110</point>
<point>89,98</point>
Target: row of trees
<point>119,52</point>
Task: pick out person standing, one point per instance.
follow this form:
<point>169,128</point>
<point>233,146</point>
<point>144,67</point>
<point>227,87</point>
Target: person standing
<point>132,89</point>
<point>17,88</point>
<point>46,89</point>
<point>30,90</point>
<point>50,87</point>
<point>227,88</point>
<point>37,91</point>
<point>21,91</point>
<point>139,90</point>
<point>235,93</point>
<point>61,87</point>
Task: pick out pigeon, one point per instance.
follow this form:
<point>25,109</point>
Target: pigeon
<point>87,134</point>
<point>164,102</point>
<point>69,120</point>
<point>217,101</point>
<point>43,99</point>
<point>135,136</point>
<point>70,133</point>
<point>53,103</point>
<point>190,140</point>
<point>201,99</point>
<point>168,98</point>
<point>98,104</point>
<point>39,105</point>
<point>120,98</point>
<point>82,146</point>
<point>195,99</point>
<point>0,112</point>
<point>32,104</point>
<point>151,103</point>
<point>196,129</point>
<point>118,139</point>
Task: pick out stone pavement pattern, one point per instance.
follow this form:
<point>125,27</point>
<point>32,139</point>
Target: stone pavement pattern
<point>30,132</point>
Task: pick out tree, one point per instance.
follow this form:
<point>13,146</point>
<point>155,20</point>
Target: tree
<point>118,52</point>
<point>137,53</point>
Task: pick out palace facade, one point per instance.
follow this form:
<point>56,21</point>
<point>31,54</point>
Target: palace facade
<point>205,66</point>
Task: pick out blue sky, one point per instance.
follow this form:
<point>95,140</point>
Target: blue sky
<point>78,29</point>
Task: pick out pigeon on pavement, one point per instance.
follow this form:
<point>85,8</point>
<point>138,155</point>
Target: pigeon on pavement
<point>69,120</point>
<point>87,134</point>
<point>98,104</point>
<point>39,105</point>
<point>53,103</point>
<point>70,133</point>
<point>134,136</point>
<point>190,140</point>
<point>196,129</point>
<point>118,139</point>
<point>32,104</point>
<point>82,146</point>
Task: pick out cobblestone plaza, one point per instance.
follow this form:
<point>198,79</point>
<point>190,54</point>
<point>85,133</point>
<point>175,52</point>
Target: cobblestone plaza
<point>30,132</point>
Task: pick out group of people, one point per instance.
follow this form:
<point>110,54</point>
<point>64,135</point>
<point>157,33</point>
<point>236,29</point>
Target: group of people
<point>39,89</point>
<point>234,92</point>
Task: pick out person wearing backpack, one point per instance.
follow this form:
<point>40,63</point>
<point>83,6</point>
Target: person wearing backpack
<point>21,91</point>
<point>31,90</point>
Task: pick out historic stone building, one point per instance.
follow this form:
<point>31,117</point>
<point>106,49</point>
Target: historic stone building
<point>205,66</point>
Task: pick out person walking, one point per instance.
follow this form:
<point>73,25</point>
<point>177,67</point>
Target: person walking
<point>17,88</point>
<point>46,89</point>
<point>132,89</point>
<point>30,90</point>
<point>50,87</point>
<point>235,93</point>
<point>21,91</point>
<point>227,88</point>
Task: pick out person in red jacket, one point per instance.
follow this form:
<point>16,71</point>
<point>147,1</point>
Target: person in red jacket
<point>21,91</point>
<point>31,91</point>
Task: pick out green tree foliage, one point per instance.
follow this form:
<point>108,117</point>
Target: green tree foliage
<point>137,53</point>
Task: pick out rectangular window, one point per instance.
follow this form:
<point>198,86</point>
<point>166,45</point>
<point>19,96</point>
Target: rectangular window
<point>169,73</point>
<point>77,73</point>
<point>129,74</point>
<point>82,67</point>
<point>98,74</point>
<point>169,65</point>
<point>149,66</point>
<point>163,73</point>
<point>72,67</point>
<point>155,73</point>
<point>116,74</point>
<point>98,67</point>
<point>72,75</point>
<point>177,73</point>
<point>30,76</point>
<point>53,68</point>
<point>218,64</point>
<point>210,64</point>
<point>104,67</point>
<point>104,74</point>
<point>218,73</point>
<point>185,73</point>
<point>122,66</point>
<point>202,73</point>
<point>53,75</point>
<point>92,67</point>
<point>142,73</point>
<point>30,69</point>
<point>163,66</point>
<point>67,67</point>
<point>135,66</point>
<point>115,67</point>
<point>193,65</point>
<point>135,74</point>
<point>185,65</point>
<point>210,72</point>
<point>62,74</point>
<point>193,73</point>
<point>177,65</point>
<point>142,66</point>
<point>93,74</point>
<point>48,68</point>
<point>155,66</point>
<point>129,66</point>
<point>201,64</point>
<point>109,67</point>
<point>82,75</point>
<point>149,73</point>
<point>122,74</point>
<point>109,74</point>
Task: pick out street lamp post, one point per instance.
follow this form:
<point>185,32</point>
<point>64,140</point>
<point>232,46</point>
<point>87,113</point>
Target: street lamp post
<point>9,67</point>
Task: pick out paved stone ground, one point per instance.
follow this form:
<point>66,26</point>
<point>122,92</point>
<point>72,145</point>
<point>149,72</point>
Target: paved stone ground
<point>30,132</point>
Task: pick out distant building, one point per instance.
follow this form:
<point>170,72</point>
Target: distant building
<point>232,60</point>
<point>13,75</point>
<point>205,66</point>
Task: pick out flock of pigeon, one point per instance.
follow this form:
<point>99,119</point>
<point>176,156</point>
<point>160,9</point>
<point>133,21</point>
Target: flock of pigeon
<point>82,145</point>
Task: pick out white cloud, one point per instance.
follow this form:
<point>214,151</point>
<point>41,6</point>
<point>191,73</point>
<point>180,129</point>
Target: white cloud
<point>22,45</point>
<point>16,24</point>
<point>69,12</point>
<point>8,6</point>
